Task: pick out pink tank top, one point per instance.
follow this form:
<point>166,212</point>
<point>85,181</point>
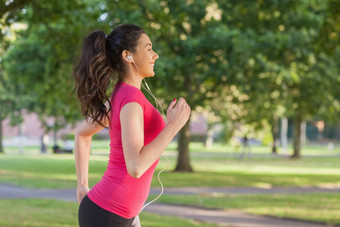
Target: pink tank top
<point>117,191</point>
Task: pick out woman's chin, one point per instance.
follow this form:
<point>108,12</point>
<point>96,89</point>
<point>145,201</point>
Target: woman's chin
<point>152,74</point>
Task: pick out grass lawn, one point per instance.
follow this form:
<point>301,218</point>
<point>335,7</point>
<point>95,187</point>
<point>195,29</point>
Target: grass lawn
<point>102,147</point>
<point>53,213</point>
<point>58,171</point>
<point>213,168</point>
<point>322,207</point>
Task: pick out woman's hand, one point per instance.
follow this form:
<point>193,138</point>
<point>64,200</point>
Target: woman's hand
<point>178,114</point>
<point>81,192</point>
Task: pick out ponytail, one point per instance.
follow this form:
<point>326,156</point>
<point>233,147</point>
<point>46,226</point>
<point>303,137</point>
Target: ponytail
<point>92,75</point>
<point>100,61</point>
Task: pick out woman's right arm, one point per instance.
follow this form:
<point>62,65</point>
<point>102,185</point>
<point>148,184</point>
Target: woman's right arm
<point>139,158</point>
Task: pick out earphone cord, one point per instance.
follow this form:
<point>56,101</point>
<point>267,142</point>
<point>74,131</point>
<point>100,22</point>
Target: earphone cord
<point>160,182</point>
<point>158,106</point>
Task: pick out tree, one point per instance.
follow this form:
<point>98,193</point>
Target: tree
<point>41,60</point>
<point>269,50</point>
<point>9,101</point>
<point>266,49</point>
<point>191,38</point>
<point>279,65</point>
<point>10,105</point>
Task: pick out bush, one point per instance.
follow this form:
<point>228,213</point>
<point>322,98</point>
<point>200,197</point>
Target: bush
<point>101,136</point>
<point>68,136</point>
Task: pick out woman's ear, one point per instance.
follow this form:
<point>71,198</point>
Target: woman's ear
<point>125,56</point>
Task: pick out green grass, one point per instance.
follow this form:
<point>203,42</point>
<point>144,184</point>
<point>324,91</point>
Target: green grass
<point>37,212</point>
<point>214,168</point>
<point>58,171</point>
<point>102,147</point>
<point>53,213</point>
<point>321,207</point>
<point>154,220</point>
<point>309,149</point>
<point>44,171</point>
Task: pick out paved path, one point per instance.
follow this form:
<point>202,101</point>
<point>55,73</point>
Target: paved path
<point>219,217</point>
<point>225,218</point>
<point>242,190</point>
<point>11,192</point>
<point>8,191</point>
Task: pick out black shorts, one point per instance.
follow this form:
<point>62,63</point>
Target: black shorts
<point>92,215</point>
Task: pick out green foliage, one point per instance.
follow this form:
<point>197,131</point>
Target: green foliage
<point>190,47</point>
<point>268,139</point>
<point>276,58</point>
<point>41,59</point>
<point>277,62</point>
<point>249,61</point>
<point>68,136</point>
<point>101,136</point>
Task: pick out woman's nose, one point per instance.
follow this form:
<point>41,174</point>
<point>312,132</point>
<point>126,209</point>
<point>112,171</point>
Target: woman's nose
<point>156,56</point>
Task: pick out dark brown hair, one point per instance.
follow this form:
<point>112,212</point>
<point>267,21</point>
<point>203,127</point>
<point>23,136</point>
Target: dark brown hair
<point>101,62</point>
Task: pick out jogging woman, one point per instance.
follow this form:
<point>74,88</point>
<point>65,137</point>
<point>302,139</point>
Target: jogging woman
<point>138,133</point>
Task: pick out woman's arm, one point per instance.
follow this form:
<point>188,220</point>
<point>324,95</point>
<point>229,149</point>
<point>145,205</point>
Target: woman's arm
<point>83,138</point>
<point>139,158</point>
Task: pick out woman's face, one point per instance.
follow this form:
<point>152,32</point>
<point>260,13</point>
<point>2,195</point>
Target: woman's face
<point>145,57</point>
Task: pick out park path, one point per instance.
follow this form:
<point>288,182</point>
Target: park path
<point>219,217</point>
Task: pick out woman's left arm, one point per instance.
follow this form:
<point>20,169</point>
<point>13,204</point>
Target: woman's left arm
<point>82,143</point>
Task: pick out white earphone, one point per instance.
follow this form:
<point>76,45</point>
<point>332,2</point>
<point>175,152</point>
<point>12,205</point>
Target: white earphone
<point>130,58</point>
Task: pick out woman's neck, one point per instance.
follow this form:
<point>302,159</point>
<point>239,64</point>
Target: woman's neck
<point>132,78</point>
<point>136,83</point>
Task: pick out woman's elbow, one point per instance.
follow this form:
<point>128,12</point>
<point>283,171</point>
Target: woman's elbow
<point>79,133</point>
<point>134,172</point>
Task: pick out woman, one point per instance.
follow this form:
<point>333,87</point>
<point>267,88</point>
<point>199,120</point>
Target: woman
<point>138,134</point>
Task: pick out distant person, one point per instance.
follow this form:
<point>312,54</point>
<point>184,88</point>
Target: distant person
<point>246,149</point>
<point>138,133</point>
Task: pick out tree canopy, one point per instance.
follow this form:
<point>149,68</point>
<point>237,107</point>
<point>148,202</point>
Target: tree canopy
<point>269,58</point>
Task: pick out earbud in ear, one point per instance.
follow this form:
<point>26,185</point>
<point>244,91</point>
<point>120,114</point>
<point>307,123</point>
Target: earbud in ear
<point>129,57</point>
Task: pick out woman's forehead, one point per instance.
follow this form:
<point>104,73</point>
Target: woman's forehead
<point>144,40</point>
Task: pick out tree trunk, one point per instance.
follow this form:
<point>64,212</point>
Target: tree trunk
<point>303,133</point>
<point>209,139</point>
<point>284,139</point>
<point>1,147</point>
<point>55,138</point>
<point>44,143</point>
<point>297,137</point>
<point>21,136</point>
<point>183,162</point>
<point>275,133</point>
